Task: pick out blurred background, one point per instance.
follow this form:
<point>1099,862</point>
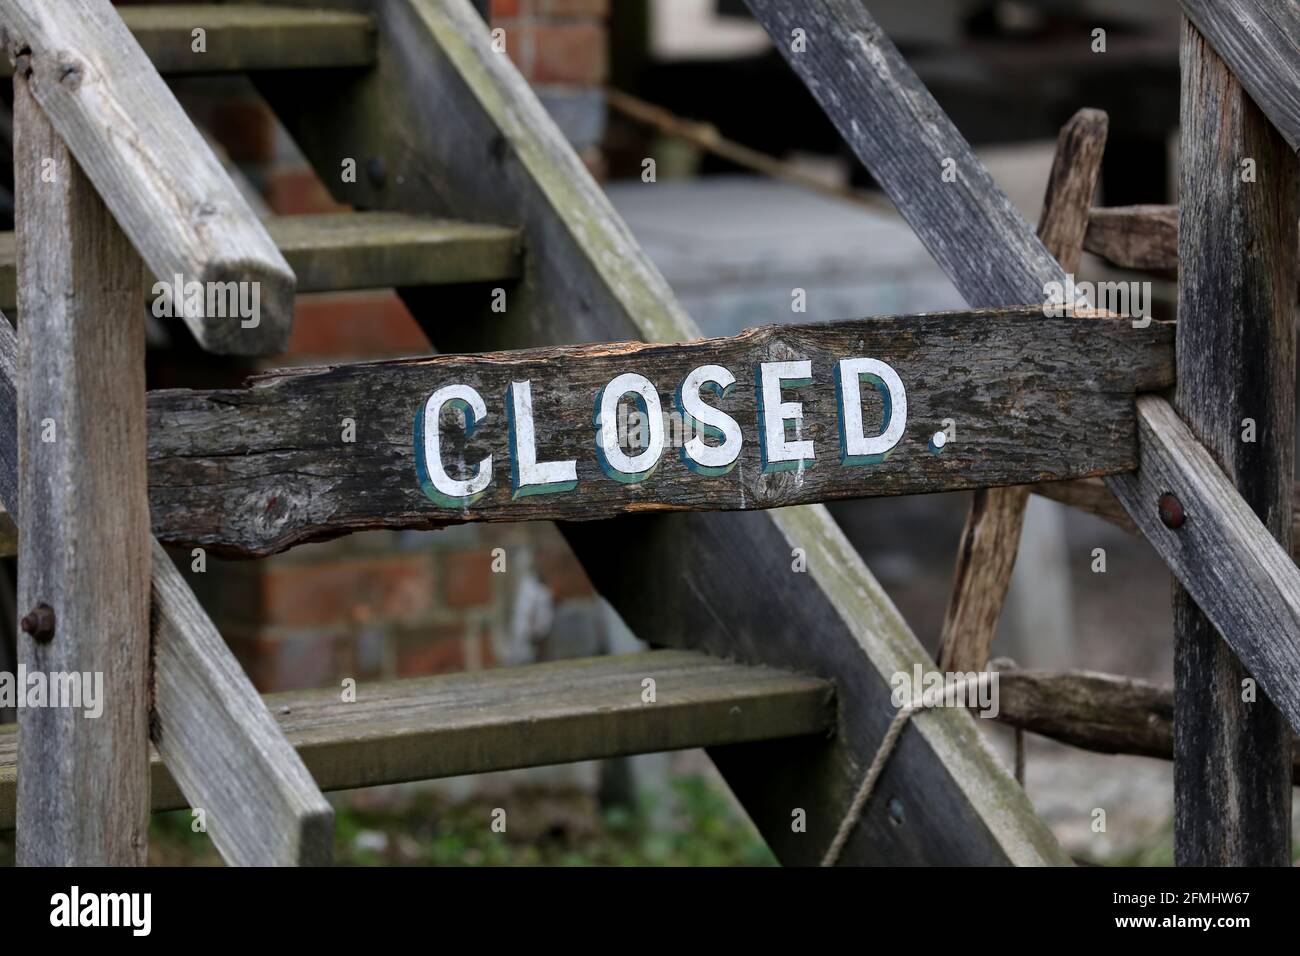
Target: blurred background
<point>670,80</point>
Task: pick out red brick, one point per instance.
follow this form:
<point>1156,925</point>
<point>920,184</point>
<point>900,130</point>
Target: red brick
<point>467,577</point>
<point>562,574</point>
<point>296,190</point>
<point>399,588</point>
<point>434,650</point>
<point>572,53</point>
<point>506,8</point>
<point>354,325</point>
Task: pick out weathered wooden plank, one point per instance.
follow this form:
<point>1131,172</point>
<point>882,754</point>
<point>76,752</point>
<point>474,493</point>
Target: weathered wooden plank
<point>259,469</point>
<point>83,568</point>
<point>153,170</point>
<point>208,723</point>
<point>376,250</point>
<point>221,747</point>
<point>366,250</point>
<point>986,555</point>
<point>1236,349</point>
<point>509,717</point>
<point>856,72</point>
<point>1135,237</point>
<point>1251,590</point>
<point>1259,40</point>
<point>246,37</point>
<point>586,280</point>
<point>1099,712</point>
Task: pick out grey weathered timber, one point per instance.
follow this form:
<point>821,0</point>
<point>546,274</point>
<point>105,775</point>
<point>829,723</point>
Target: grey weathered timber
<point>1104,713</point>
<point>509,717</point>
<point>376,250</point>
<point>1236,351</point>
<point>856,73</point>
<point>1259,41</point>
<point>1135,237</point>
<point>221,746</point>
<point>1251,590</point>
<point>246,37</point>
<point>367,250</point>
<point>84,520</point>
<point>986,555</point>
<point>585,279</point>
<point>255,470</point>
<point>153,170</point>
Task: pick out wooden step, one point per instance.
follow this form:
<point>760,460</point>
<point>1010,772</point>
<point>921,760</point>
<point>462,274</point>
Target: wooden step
<point>367,250</point>
<point>247,38</point>
<point>509,717</point>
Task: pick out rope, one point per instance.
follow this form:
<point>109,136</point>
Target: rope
<point>883,753</point>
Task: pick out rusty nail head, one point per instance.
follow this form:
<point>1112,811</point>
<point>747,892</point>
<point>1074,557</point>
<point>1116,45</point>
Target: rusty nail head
<point>39,623</point>
<point>1171,511</point>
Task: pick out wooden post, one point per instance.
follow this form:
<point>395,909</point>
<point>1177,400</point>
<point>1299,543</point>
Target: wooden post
<point>83,782</point>
<point>991,538</point>
<point>1236,362</point>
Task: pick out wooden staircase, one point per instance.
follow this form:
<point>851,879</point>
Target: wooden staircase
<point>784,676</point>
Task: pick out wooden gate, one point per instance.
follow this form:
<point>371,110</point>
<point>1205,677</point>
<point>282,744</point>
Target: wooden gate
<point>785,677</point>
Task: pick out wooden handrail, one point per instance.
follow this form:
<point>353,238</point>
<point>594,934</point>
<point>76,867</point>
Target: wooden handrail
<point>154,172</point>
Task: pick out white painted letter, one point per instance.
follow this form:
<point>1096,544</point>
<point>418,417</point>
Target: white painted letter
<point>777,453</point>
<point>528,476</point>
<point>437,484</point>
<point>857,448</point>
<point>613,460</point>
<point>699,457</point>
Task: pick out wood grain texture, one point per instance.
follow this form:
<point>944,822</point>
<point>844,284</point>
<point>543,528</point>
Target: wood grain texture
<point>84,518</point>
<point>153,170</point>
<point>1104,713</point>
<point>332,252</point>
<point>1259,41</point>
<point>586,280</point>
<point>1000,262</point>
<point>209,724</point>
<point>511,717</point>
<point>1135,237</point>
<point>1250,591</point>
<point>246,37</point>
<point>220,745</point>
<point>1236,354</point>
<point>256,470</point>
<point>986,555</point>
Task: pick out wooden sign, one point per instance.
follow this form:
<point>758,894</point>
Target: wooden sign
<point>772,417</point>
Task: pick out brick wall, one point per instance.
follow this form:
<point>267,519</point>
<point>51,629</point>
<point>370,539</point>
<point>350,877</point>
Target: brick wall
<point>397,604</point>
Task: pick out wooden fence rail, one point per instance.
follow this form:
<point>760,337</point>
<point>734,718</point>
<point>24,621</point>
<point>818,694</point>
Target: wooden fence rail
<point>158,177</point>
<point>991,399</point>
